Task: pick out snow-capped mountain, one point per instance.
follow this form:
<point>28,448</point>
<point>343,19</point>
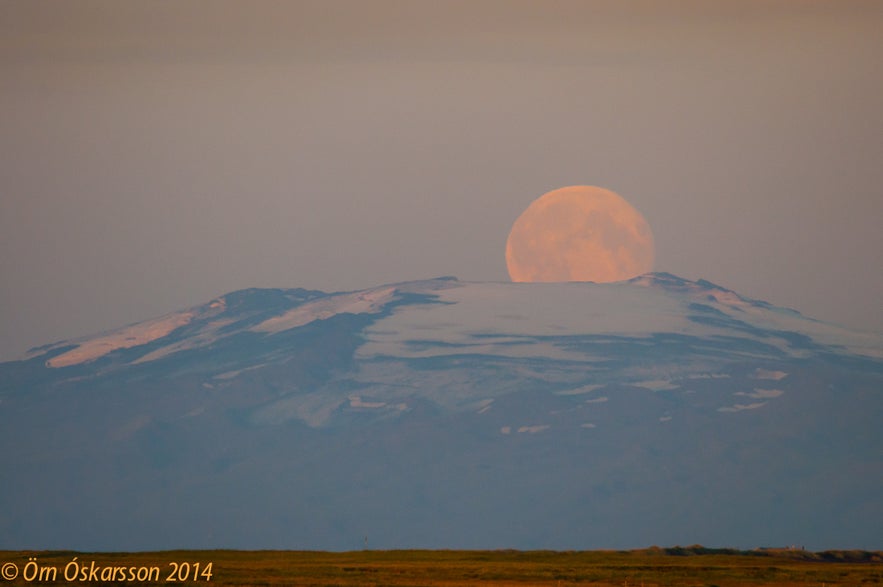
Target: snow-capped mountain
<point>441,413</point>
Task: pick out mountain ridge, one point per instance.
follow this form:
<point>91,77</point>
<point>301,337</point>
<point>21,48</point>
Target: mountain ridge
<point>446,414</point>
<point>272,298</point>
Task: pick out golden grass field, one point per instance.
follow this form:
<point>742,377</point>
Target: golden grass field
<point>693,566</point>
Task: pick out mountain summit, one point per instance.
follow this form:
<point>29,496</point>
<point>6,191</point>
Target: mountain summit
<point>449,414</point>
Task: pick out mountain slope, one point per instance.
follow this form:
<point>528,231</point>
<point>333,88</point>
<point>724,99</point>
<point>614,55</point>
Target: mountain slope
<point>440,413</point>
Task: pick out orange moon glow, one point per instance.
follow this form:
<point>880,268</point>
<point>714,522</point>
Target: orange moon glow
<point>579,233</point>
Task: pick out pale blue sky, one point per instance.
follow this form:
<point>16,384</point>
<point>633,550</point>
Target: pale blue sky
<point>158,154</point>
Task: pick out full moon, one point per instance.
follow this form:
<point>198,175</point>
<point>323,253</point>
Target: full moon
<point>579,233</point>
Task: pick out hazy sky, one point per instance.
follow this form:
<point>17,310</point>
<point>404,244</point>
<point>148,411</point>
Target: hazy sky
<point>156,154</point>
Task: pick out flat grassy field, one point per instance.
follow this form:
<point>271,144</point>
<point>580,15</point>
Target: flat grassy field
<point>651,567</point>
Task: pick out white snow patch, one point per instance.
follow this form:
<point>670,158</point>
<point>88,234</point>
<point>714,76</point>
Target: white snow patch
<point>127,337</point>
<point>506,430</point>
<point>368,301</point>
<point>581,390</point>
<point>761,393</point>
<point>729,298</point>
<point>771,318</point>
<point>356,402</point>
<point>312,408</point>
<point>587,425</point>
<point>484,405</point>
<point>869,344</point>
<point>657,385</point>
<point>665,419</point>
<point>533,320</point>
<point>195,412</point>
<point>452,389</point>
<point>532,429</point>
<point>740,407</point>
<point>505,319</point>
<point>765,374</point>
<point>232,374</point>
<point>128,429</point>
<point>597,400</point>
<point>708,376</point>
<point>228,374</point>
<point>699,292</point>
<point>208,334</point>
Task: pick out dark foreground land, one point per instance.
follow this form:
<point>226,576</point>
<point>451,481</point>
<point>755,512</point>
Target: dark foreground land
<point>651,567</point>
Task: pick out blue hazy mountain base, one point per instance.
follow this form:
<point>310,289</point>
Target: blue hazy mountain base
<point>443,414</point>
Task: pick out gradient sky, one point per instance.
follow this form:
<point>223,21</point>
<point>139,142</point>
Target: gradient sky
<point>158,154</point>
